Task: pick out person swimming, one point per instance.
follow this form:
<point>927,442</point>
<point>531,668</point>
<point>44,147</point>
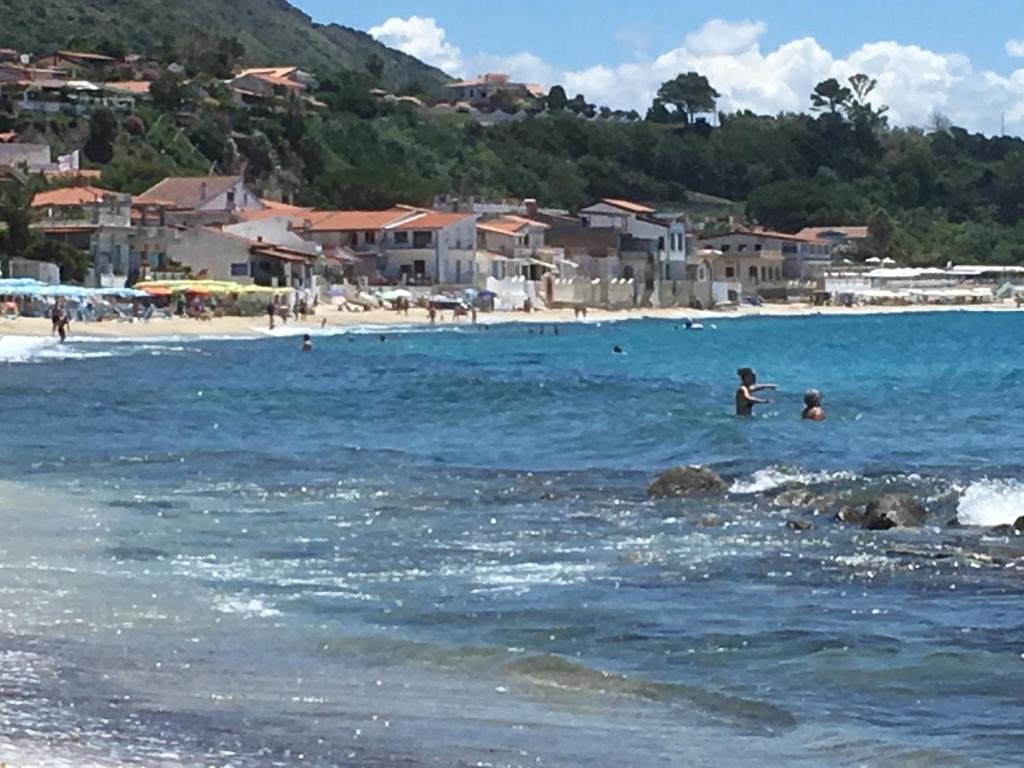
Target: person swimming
<point>307,343</point>
<point>745,399</point>
<point>813,410</point>
<point>617,350</point>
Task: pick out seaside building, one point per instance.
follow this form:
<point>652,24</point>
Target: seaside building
<point>121,237</point>
<point>759,258</point>
<point>402,244</point>
<point>624,240</point>
<point>514,246</point>
<point>202,200</point>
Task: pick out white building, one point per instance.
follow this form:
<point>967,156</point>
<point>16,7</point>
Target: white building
<point>202,199</point>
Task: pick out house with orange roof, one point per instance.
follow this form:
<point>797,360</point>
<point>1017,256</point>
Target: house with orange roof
<point>402,244</point>
<point>263,81</point>
<point>758,258</point>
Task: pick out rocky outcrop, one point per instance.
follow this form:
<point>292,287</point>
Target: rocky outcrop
<point>686,481</point>
<point>893,511</point>
<point>798,525</point>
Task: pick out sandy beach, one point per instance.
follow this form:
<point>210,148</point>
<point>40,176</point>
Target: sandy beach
<point>337,319</point>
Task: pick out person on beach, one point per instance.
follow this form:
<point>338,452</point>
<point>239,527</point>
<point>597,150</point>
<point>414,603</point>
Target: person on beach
<point>62,327</point>
<point>55,317</point>
<point>745,398</point>
<point>432,312</point>
<point>271,313</point>
<point>307,343</point>
<point>813,410</point>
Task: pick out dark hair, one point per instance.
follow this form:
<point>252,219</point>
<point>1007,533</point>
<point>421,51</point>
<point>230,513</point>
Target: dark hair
<point>305,337</point>
<point>812,398</point>
<point>744,372</point>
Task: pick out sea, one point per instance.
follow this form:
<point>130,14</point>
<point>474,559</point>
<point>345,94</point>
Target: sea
<point>434,547</point>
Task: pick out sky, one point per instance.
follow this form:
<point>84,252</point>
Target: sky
<point>961,59</point>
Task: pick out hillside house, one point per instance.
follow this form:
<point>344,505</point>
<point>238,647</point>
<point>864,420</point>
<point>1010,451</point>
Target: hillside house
<point>479,90</point>
<point>754,258</point>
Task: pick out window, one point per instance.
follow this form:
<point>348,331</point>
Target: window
<point>369,238</point>
<point>730,272</point>
<point>240,270</point>
<point>421,239</point>
<point>725,249</point>
<point>401,238</point>
<point>764,273</point>
<point>753,273</point>
<point>741,247</point>
<point>419,267</point>
<point>757,248</point>
<point>231,197</point>
<point>661,243</point>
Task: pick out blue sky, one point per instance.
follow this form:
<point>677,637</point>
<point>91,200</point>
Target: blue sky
<point>941,56</point>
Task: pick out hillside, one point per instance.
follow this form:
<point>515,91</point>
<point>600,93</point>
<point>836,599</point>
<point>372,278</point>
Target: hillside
<point>272,31</point>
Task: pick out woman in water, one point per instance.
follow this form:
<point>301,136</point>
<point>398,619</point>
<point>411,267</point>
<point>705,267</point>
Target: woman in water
<point>813,410</point>
<point>745,399</point>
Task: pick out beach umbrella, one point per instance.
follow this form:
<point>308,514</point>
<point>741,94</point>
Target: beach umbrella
<point>157,290</point>
<point>887,260</point>
<point>873,260</point>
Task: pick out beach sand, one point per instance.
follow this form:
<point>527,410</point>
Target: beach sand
<point>336,319</point>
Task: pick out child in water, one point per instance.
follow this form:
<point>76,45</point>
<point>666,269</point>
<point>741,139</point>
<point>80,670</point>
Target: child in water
<point>813,410</point>
<point>307,343</point>
<point>745,399</point>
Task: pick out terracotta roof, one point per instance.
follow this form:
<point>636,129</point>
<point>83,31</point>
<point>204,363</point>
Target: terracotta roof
<point>430,220</point>
<point>272,71</point>
<point>65,228</point>
<point>69,196</point>
<point>855,233</point>
<point>283,208</point>
<point>490,78</point>
<point>627,205</point>
<point>129,86</point>
<point>354,221</point>
<point>509,225</point>
<point>99,57</point>
<point>186,191</point>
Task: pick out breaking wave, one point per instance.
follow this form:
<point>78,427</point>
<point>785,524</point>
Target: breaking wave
<point>991,502</point>
<point>772,478</point>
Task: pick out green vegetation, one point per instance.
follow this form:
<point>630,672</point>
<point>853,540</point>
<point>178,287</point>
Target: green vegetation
<point>265,32</point>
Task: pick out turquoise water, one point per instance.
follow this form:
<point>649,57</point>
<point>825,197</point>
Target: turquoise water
<point>436,549</point>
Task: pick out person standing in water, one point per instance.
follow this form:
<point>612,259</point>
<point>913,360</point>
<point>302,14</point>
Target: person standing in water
<point>307,343</point>
<point>271,311</point>
<point>745,397</point>
<point>813,410</point>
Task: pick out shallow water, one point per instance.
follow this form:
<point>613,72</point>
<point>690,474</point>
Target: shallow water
<point>437,549</point>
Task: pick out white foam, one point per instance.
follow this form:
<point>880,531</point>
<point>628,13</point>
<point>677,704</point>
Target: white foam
<point>20,349</point>
<point>991,502</point>
<point>770,478</point>
<point>246,607</point>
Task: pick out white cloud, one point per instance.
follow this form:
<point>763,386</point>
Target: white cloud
<point>720,37</point>
<point>422,38</point>
<point>913,81</point>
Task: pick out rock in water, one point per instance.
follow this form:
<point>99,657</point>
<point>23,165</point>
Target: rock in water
<point>686,481</point>
<point>893,511</point>
<point>798,525</point>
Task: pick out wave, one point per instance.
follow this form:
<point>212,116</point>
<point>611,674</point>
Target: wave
<point>772,478</point>
<point>556,672</point>
<point>991,502</point>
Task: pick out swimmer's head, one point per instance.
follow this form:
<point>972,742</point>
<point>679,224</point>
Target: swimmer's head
<point>747,375</point>
<point>812,398</point>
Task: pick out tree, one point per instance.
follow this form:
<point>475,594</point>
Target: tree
<point>557,100</point>
<point>689,94</point>
<point>505,101</point>
<point>830,95</point>
<point>861,111</point>
<point>168,91</point>
<point>881,231</point>
<point>16,218</point>
<point>99,147</point>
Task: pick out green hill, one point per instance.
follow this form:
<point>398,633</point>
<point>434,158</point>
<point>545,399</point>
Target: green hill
<point>272,31</point>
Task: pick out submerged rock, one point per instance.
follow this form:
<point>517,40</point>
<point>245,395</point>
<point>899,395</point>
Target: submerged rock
<point>798,525</point>
<point>848,514</point>
<point>686,481</point>
<point>893,511</point>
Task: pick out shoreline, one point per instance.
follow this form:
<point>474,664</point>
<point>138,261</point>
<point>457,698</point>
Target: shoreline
<point>336,320</point>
